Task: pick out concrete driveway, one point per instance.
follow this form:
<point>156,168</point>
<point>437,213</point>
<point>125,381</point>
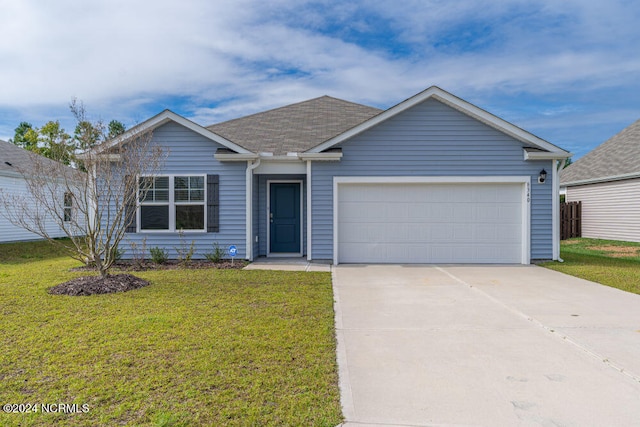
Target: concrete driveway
<point>485,345</point>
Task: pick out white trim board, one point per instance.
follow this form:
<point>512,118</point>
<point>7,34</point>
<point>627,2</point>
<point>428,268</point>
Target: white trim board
<point>524,180</point>
<point>555,216</point>
<point>163,118</point>
<point>268,217</point>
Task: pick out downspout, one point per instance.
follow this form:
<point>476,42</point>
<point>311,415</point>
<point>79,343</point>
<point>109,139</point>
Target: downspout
<point>251,165</point>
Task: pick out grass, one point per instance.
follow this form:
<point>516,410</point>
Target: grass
<point>609,262</point>
<point>197,347</point>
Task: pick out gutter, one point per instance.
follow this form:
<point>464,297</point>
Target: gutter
<point>289,157</point>
<point>545,155</point>
<point>320,156</point>
<point>602,179</point>
<point>235,157</point>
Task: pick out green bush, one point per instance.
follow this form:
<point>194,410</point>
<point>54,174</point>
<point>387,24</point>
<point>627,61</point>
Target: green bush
<point>159,255</point>
<point>217,254</point>
<point>117,253</point>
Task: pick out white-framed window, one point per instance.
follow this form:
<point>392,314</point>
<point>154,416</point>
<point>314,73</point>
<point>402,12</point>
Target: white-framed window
<point>172,203</point>
<point>68,207</point>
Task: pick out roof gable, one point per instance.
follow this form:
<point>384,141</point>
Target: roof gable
<point>459,104</point>
<point>616,158</point>
<point>163,118</point>
<point>296,127</point>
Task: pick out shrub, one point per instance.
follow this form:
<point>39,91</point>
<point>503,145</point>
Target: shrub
<point>185,252</point>
<point>159,255</point>
<point>118,253</point>
<point>138,252</point>
<point>217,254</point>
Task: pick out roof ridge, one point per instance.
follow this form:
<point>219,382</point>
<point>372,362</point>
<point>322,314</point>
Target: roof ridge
<point>288,106</point>
<point>348,102</point>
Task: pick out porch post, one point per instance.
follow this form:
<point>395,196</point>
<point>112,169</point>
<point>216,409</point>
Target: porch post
<point>555,206</point>
<point>309,210</point>
<point>251,165</point>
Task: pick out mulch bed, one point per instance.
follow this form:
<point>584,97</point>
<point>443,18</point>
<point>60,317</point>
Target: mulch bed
<point>91,285</point>
<point>170,265</point>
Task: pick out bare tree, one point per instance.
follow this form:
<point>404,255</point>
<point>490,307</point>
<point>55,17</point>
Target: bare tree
<point>93,208</point>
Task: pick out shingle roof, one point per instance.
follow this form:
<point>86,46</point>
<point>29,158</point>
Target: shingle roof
<point>16,160</point>
<point>296,127</point>
<point>12,157</point>
<point>618,156</point>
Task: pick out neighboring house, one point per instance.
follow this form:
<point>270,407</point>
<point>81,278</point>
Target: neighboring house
<point>13,161</point>
<point>433,179</point>
<point>607,182</point>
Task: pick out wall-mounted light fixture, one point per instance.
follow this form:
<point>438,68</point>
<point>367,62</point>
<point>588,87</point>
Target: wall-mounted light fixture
<point>542,177</point>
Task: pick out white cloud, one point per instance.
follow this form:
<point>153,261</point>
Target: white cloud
<point>224,59</point>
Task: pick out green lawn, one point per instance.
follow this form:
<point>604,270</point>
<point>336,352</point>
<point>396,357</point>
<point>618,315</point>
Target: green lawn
<point>197,347</point>
<point>612,263</point>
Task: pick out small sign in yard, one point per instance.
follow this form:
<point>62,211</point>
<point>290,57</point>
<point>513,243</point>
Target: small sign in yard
<point>233,251</point>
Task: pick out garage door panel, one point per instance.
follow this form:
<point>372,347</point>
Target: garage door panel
<point>430,223</point>
<point>488,233</point>
<point>511,233</point>
<point>487,213</point>
<point>496,253</point>
<point>417,212</point>
<point>462,232</point>
<point>486,195</point>
<point>463,215</point>
<point>443,232</point>
<point>510,213</point>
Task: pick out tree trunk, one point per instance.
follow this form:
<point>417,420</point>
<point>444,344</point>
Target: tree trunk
<point>104,272</point>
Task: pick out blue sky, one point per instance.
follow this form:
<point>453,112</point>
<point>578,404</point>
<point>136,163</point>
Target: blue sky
<point>567,71</point>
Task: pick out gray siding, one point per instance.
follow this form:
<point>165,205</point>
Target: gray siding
<point>431,139</point>
<point>189,153</point>
<point>610,210</point>
<point>17,187</point>
<point>261,190</point>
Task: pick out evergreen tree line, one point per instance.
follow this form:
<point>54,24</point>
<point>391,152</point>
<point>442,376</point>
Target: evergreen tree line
<point>52,141</point>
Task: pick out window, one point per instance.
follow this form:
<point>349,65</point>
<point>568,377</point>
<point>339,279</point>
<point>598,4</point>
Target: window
<point>154,203</point>
<point>189,201</point>
<point>68,207</point>
<point>172,203</point>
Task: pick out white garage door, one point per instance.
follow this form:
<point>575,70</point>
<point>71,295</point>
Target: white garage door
<point>430,223</point>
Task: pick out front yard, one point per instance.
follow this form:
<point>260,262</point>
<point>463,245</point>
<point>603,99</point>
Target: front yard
<point>612,263</point>
<point>197,347</point>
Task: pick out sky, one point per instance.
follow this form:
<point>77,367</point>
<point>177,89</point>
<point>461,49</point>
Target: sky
<point>567,71</point>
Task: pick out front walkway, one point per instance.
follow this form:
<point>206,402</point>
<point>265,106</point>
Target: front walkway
<point>484,345</point>
<point>287,264</point>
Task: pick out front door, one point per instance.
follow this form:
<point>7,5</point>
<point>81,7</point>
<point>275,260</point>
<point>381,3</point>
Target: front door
<point>284,217</point>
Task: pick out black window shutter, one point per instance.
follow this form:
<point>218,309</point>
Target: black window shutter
<point>213,203</point>
<point>130,187</point>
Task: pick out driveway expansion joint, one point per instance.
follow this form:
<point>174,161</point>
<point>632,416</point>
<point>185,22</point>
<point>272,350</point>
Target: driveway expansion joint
<point>552,330</point>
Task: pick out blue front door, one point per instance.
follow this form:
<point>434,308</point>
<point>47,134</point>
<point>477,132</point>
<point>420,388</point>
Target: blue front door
<point>284,217</point>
